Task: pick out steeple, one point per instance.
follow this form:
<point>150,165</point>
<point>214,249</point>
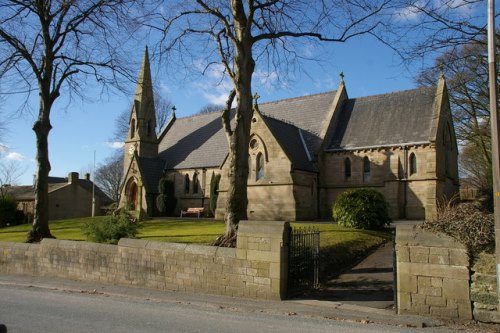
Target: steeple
<point>144,89</point>
<point>141,137</point>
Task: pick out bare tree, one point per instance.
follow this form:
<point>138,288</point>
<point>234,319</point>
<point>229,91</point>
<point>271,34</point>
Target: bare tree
<point>108,176</point>
<point>422,29</point>
<point>163,110</point>
<point>209,108</point>
<point>54,47</point>
<point>234,35</point>
<point>466,70</point>
<point>10,172</point>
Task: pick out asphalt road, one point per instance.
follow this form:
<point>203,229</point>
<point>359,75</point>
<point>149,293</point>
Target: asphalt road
<point>34,309</point>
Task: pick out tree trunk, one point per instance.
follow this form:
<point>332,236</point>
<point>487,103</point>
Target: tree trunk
<point>237,201</point>
<point>41,128</point>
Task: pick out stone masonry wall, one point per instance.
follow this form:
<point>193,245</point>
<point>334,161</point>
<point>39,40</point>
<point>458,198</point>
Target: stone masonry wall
<point>257,268</point>
<point>432,275</point>
<point>484,289</point>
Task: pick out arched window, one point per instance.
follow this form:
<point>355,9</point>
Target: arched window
<point>413,164</point>
<point>347,168</point>
<point>195,183</point>
<point>132,129</point>
<point>186,184</point>
<point>259,170</point>
<point>366,169</point>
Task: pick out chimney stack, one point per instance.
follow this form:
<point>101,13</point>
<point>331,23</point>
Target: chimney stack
<point>73,177</point>
<point>87,176</point>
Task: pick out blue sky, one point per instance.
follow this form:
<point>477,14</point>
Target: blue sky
<point>81,128</point>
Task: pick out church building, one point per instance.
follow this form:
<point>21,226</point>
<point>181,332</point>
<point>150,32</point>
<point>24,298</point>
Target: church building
<point>303,153</point>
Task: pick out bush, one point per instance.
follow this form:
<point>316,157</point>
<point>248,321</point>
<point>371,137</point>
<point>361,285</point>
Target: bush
<point>214,192</point>
<point>9,214</point>
<point>112,228</point>
<point>166,200</point>
<point>361,209</point>
<point>468,223</point>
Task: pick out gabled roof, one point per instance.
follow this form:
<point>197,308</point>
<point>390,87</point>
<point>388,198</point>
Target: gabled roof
<point>397,118</point>
<point>24,193</point>
<point>152,170</point>
<point>306,113</point>
<point>289,138</point>
<point>199,141</point>
<point>194,142</point>
<point>27,192</point>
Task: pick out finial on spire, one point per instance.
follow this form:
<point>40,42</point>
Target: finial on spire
<point>341,77</point>
<point>173,110</point>
<point>441,70</point>
<point>256,98</point>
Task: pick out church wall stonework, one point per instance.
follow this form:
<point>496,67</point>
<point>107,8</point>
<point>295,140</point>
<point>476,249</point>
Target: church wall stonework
<point>410,193</point>
<point>298,153</point>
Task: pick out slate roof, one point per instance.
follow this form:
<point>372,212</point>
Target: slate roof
<point>289,138</point>
<point>199,141</point>
<point>152,170</point>
<point>396,118</point>
<point>27,192</point>
<point>194,142</point>
<point>306,113</point>
<point>388,119</point>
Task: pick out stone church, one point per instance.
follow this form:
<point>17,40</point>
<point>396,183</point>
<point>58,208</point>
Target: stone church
<point>303,153</point>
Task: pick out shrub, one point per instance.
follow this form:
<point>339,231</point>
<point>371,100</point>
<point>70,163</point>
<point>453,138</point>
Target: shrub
<point>361,209</point>
<point>112,228</point>
<point>468,223</point>
<point>214,192</point>
<point>9,214</point>
<point>166,200</point>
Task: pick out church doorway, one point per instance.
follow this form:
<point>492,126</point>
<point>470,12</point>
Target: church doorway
<point>132,194</point>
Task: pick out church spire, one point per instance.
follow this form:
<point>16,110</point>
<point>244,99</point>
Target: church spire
<point>142,124</point>
<point>144,82</point>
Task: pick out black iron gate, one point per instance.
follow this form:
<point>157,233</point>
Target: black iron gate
<point>303,259</point>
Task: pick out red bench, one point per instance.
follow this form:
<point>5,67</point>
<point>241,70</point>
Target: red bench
<point>189,211</point>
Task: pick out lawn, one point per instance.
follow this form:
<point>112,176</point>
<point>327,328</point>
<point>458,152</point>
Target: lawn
<point>202,231</point>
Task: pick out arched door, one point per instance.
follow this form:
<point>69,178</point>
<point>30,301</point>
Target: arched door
<point>132,194</point>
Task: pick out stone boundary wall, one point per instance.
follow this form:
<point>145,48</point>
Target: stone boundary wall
<point>432,273</point>
<point>483,289</point>
<point>256,268</point>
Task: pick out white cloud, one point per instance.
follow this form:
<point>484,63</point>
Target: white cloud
<point>410,13</point>
<point>3,148</point>
<point>266,80</point>
<point>13,156</point>
<point>115,145</point>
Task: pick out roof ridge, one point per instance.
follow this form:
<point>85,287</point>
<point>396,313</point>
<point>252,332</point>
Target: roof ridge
<point>299,97</point>
<point>199,115</point>
<point>280,120</point>
<point>394,92</point>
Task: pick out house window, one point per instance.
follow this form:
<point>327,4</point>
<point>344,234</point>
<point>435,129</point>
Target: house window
<point>186,184</point>
<point>259,170</point>
<point>195,183</point>
<point>347,168</point>
<point>132,129</point>
<point>149,127</point>
<point>413,164</point>
<point>366,169</point>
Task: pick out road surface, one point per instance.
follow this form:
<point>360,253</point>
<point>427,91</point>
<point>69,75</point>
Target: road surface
<point>34,309</point>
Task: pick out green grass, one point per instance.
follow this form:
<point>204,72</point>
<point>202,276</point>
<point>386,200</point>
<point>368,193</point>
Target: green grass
<point>203,232</point>
<point>340,246</point>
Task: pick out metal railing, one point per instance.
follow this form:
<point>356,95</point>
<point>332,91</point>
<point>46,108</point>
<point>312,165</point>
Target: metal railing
<point>303,259</point>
